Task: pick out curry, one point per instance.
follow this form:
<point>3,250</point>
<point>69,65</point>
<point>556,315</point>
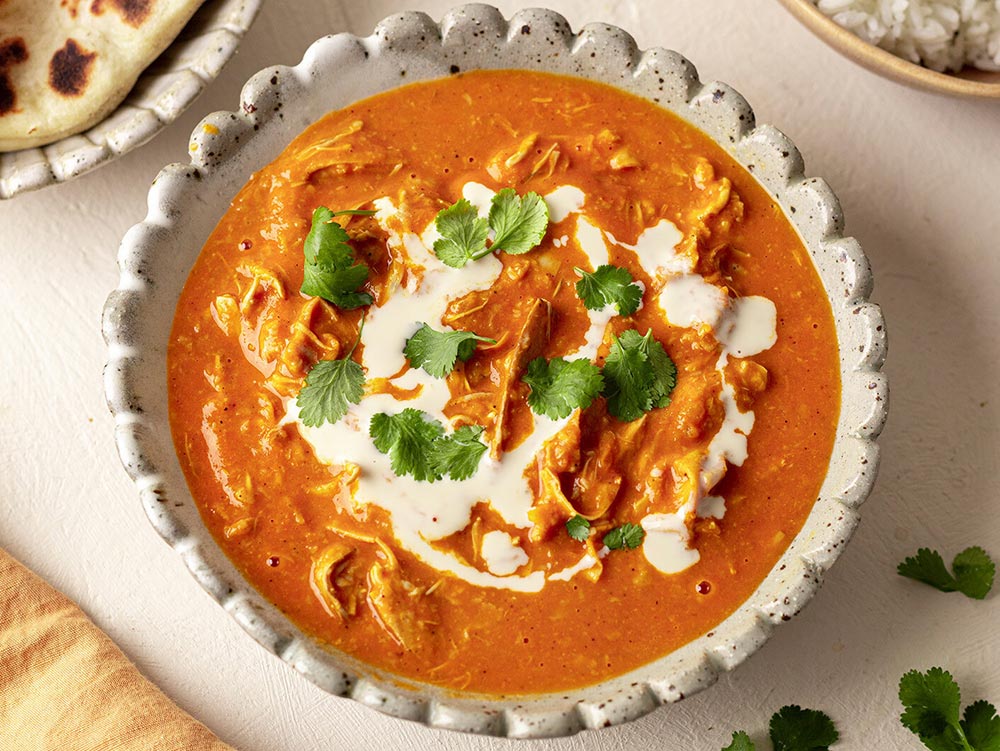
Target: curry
<point>530,467</point>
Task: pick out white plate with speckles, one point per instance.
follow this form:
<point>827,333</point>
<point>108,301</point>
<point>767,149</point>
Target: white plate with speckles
<point>187,200</point>
<point>164,90</point>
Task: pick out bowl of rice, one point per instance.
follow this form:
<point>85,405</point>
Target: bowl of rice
<point>944,46</point>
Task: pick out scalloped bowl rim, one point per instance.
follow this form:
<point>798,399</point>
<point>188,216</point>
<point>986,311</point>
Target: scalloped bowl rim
<point>186,201</point>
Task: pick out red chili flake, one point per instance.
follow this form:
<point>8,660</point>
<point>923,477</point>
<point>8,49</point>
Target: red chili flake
<point>273,561</point>
<point>246,245</point>
<point>704,588</point>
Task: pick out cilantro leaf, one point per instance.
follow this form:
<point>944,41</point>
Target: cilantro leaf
<point>327,242</point>
<point>407,438</point>
<point>331,385</point>
<point>973,577</point>
<point>578,528</point>
<point>981,726</point>
<point>628,536</point>
<point>638,375</point>
<point>463,234</point>
<point>458,454</point>
<point>519,223</point>
<point>330,271</point>
<point>741,742</point>
<point>797,729</point>
<point>337,285</point>
<point>437,351</point>
<point>606,285</point>
<point>931,702</point>
<point>664,371</point>
<point>559,386</point>
<point>927,566</point>
<point>628,378</point>
<point>974,572</point>
<point>417,446</point>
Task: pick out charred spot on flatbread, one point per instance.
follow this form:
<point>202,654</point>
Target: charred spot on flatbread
<point>12,51</point>
<point>69,68</point>
<point>133,12</point>
<point>72,6</point>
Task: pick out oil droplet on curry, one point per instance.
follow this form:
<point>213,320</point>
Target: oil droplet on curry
<point>477,584</point>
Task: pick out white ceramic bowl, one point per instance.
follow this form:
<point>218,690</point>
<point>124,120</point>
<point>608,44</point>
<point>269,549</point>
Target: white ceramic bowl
<point>186,201</point>
<point>162,93</point>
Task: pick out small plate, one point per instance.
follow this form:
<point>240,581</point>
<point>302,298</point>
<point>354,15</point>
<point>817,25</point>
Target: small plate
<point>164,90</point>
<point>970,82</point>
<point>187,200</point>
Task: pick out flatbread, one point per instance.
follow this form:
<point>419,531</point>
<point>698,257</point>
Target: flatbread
<point>66,64</point>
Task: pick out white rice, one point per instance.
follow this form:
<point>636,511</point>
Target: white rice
<point>940,34</point>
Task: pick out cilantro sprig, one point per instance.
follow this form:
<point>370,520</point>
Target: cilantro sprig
<point>626,537</point>
<point>741,742</point>
<point>559,386</point>
<point>793,728</point>
<point>417,446</point>
<point>330,387</point>
<point>973,570</point>
<point>931,705</point>
<point>638,375</point>
<point>331,271</point>
<point>518,224</point>
<point>608,285</point>
<point>438,351</point>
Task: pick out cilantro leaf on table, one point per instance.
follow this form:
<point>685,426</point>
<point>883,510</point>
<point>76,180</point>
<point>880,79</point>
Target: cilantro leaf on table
<point>407,438</point>
<point>609,285</point>
<point>793,729</point>
<point>638,375</point>
<point>981,726</point>
<point>578,528</point>
<point>330,270</point>
<point>463,234</point>
<point>973,576</point>
<point>458,454</point>
<point>559,386</point>
<point>330,387</point>
<point>796,729</point>
<point>741,742</point>
<point>628,536</point>
<point>519,223</point>
<point>417,446</point>
<point>437,351</point>
<point>931,703</point>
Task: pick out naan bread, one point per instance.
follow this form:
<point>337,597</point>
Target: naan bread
<point>66,64</point>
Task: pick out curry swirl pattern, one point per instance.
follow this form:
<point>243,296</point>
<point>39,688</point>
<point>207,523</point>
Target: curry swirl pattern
<point>186,201</point>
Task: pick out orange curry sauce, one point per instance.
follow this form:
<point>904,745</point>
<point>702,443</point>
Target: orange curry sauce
<point>244,339</point>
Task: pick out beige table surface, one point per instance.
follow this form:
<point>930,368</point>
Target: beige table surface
<point>919,177</point>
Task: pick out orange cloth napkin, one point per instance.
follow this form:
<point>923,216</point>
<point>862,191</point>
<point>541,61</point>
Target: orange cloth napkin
<point>65,686</point>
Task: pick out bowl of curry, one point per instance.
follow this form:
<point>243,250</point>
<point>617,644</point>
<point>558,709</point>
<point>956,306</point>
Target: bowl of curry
<point>497,376</point>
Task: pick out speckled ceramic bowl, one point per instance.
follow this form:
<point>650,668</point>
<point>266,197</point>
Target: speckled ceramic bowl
<point>186,201</point>
<point>162,93</point>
